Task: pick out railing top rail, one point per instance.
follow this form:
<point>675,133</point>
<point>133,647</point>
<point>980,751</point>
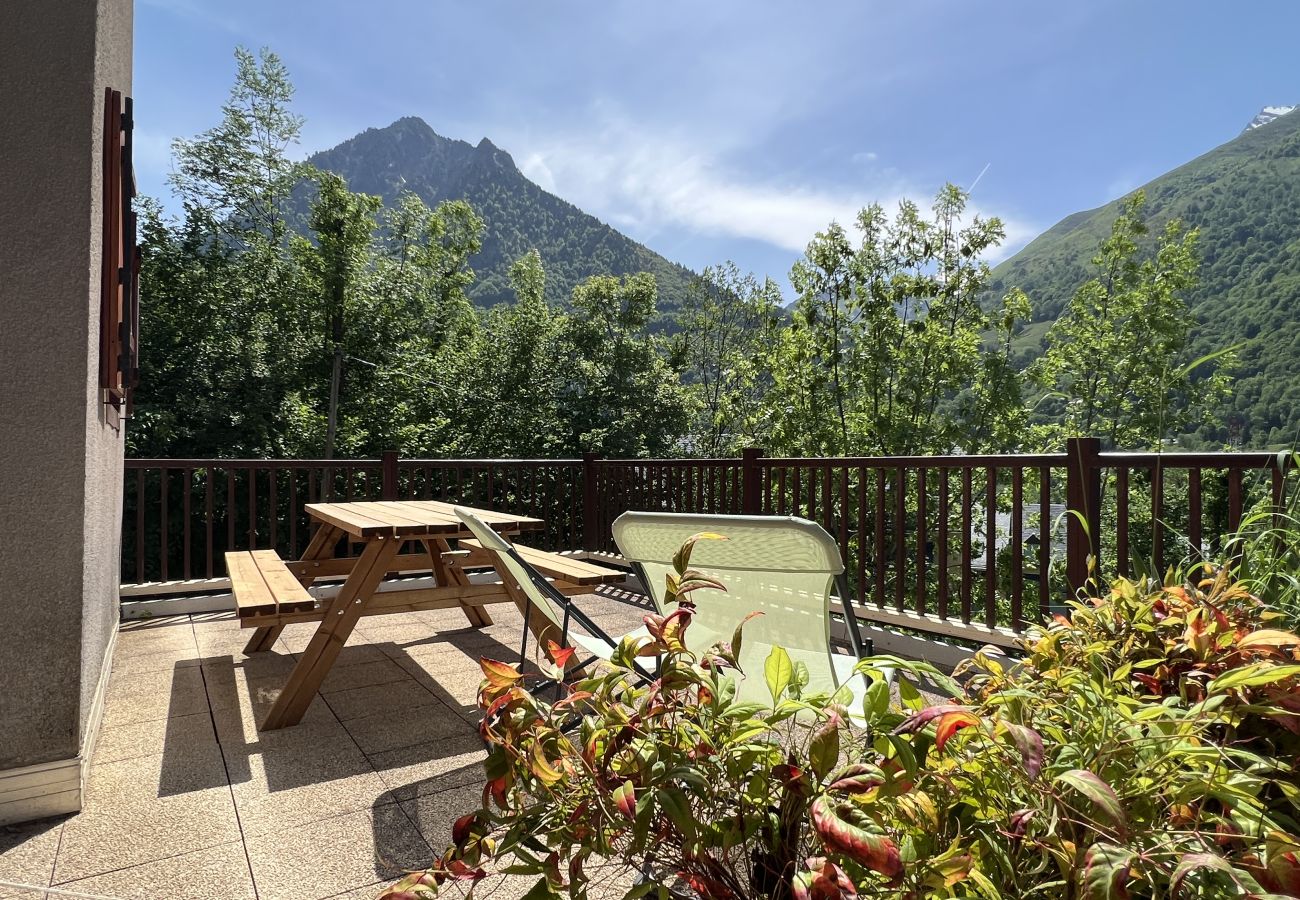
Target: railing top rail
<point>412,461</point>
<point>278,463</point>
<point>686,461</point>
<point>957,461</point>
<point>1210,460</point>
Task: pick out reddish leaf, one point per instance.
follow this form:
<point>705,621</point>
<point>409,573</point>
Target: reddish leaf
<point>706,887</point>
<point>950,723</point>
<point>498,674</point>
<point>559,655</point>
<point>859,778</point>
<point>827,881</point>
<point>458,870</point>
<point>461,830</point>
<point>1019,822</point>
<point>496,789</point>
<point>1030,745</point>
<point>625,799</point>
<point>874,851</point>
<point>918,720</point>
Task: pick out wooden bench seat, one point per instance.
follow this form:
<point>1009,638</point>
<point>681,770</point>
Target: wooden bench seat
<point>263,585</point>
<point>554,565</point>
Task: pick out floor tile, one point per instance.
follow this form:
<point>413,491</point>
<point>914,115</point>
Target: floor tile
<point>392,699</point>
<point>386,731</point>
<point>305,777</point>
<point>180,735</point>
<point>154,695</point>
<point>138,810</point>
<point>432,766</point>
<point>27,851</point>
<point>434,813</point>
<point>378,671</point>
<point>329,857</point>
<point>215,872</point>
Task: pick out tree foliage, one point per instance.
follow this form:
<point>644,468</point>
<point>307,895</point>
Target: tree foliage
<point>1116,359</point>
<point>887,339</point>
<point>286,314</point>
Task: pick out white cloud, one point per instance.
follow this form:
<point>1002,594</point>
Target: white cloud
<point>647,182</point>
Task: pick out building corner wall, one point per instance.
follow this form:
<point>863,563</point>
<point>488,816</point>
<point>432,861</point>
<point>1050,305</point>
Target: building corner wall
<point>60,459</point>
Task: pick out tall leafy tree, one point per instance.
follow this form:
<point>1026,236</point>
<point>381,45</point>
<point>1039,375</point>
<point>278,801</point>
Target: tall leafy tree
<point>220,349</point>
<point>342,222</point>
<point>620,396</point>
<point>1117,361</point>
<point>887,336</point>
<point>726,324</point>
<point>515,374</point>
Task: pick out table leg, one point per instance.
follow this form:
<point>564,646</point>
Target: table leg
<point>332,634</point>
<point>454,575</point>
<point>321,547</point>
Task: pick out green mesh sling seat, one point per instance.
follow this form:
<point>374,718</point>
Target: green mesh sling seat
<point>559,610</point>
<point>781,566</point>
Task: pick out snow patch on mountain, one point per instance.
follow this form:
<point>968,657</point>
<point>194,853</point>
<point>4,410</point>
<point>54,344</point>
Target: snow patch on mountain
<point>1268,114</point>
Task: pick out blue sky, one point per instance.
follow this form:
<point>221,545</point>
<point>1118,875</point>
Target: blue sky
<point>735,130</point>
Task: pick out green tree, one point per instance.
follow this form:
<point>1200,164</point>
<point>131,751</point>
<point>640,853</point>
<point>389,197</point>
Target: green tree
<point>342,222</point>
<point>514,376</point>
<point>221,346</point>
<point>886,352</point>
<point>619,396</point>
<point>726,323</point>
<point>1118,356</point>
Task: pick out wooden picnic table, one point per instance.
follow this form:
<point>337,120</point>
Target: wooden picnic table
<point>270,593</point>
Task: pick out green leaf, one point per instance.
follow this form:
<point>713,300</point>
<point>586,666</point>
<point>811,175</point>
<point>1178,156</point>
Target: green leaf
<point>1191,862</point>
<point>1254,675</point>
<point>1102,795</point>
<point>876,702</point>
<point>1106,873</point>
<point>799,679</point>
<point>910,696</point>
<point>542,890</point>
<point>824,748</point>
<point>778,671</point>
<point>678,809</point>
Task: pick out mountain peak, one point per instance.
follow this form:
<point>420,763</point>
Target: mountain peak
<point>1268,114</point>
<point>409,156</point>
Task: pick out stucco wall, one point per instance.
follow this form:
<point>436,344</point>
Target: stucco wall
<point>60,461</point>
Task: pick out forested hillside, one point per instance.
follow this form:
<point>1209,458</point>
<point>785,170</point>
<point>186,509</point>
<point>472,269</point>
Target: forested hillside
<point>519,216</point>
<point>1244,197</point>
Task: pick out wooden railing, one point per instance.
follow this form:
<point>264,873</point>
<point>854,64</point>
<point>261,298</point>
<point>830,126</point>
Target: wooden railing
<point>972,546</point>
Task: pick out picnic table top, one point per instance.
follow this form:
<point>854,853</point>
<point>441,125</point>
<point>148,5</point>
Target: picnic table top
<point>411,518</point>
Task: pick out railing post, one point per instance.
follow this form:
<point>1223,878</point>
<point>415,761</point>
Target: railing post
<point>388,461</point>
<point>751,481</point>
<point>590,499</point>
<point>1083,510</point>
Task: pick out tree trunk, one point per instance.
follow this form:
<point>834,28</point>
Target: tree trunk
<point>332,422</point>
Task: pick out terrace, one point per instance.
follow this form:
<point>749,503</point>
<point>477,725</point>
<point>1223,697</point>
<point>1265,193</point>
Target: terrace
<point>185,790</point>
<point>185,795</point>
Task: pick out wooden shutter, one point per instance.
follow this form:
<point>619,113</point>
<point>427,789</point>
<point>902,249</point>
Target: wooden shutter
<point>119,350</point>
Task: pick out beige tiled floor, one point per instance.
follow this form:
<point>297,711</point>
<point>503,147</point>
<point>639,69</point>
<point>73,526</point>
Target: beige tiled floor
<point>186,799</point>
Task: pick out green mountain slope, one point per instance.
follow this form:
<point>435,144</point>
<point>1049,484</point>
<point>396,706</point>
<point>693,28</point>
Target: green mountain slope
<point>409,156</point>
<point>1244,196</point>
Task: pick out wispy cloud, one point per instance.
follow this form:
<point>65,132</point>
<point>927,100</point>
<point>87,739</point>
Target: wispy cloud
<point>652,182</point>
